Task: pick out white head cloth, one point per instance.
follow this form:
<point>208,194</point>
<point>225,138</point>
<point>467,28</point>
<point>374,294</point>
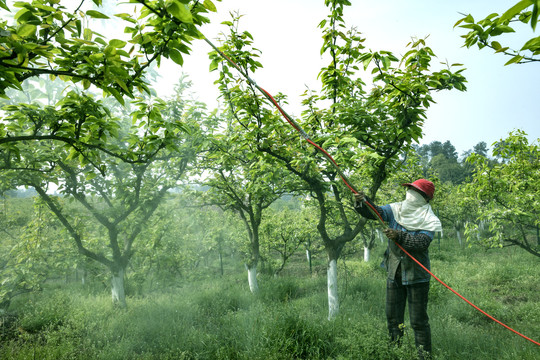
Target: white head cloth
<point>415,213</point>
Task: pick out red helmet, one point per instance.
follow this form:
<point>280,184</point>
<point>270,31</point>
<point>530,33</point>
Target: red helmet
<point>424,186</point>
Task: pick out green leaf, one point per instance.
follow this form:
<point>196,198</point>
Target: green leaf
<point>78,24</point>
<point>3,5</point>
<point>109,51</point>
<point>367,60</point>
<point>117,43</point>
<point>20,14</point>
<point>514,60</point>
<point>213,65</point>
<point>504,29</point>
<point>516,9</point>
<point>87,34</point>
<point>72,154</point>
<point>116,95</point>
<point>534,15</point>
<point>209,5</point>
<point>96,14</point>
<point>467,19</point>
<point>126,17</point>
<point>496,45</point>
<point>97,57</point>
<point>176,56</point>
<point>180,11</point>
<point>100,41</point>
<point>26,30</point>
<point>122,85</point>
<point>533,44</point>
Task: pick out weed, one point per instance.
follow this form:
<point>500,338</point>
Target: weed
<point>280,290</point>
<point>291,334</point>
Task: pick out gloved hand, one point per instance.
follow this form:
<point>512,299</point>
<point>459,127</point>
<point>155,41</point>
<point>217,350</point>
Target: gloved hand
<point>359,198</point>
<point>392,234</point>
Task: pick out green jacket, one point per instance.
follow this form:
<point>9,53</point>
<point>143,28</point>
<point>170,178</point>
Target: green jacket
<point>415,243</point>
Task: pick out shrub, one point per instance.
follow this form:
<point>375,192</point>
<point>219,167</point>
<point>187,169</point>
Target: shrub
<point>48,312</point>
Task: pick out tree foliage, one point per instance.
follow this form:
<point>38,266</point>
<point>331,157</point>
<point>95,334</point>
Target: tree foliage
<point>364,132</point>
<point>240,179</point>
<point>508,194</point>
<point>483,32</point>
<point>16,275</point>
<point>48,37</point>
<point>283,232</point>
<point>117,170</point>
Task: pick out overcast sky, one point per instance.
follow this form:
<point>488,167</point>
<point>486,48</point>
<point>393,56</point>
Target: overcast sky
<point>499,99</point>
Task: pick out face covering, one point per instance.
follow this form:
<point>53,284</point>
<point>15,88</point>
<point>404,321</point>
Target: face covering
<point>414,198</point>
<point>415,213</point>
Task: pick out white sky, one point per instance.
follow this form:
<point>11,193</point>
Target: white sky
<point>499,98</point>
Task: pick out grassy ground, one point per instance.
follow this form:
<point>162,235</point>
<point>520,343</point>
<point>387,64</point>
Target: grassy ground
<point>217,318</point>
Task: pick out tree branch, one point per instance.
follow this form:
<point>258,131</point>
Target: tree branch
<point>74,234</point>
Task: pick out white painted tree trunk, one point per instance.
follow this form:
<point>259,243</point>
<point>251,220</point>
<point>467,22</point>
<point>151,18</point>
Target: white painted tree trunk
<point>308,256</point>
<point>380,236</point>
<point>459,238</point>
<point>367,253</point>
<point>333,301</point>
<point>252,279</point>
<point>117,289</point>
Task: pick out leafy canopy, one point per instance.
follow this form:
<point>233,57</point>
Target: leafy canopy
<point>483,32</point>
<point>508,193</point>
<point>48,38</point>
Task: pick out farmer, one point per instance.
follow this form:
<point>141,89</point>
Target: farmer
<point>411,224</point>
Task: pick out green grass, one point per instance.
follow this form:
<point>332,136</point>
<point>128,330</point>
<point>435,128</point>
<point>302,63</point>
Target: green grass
<point>217,318</point>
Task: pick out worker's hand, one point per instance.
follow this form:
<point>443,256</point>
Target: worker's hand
<point>392,234</point>
<point>359,198</point>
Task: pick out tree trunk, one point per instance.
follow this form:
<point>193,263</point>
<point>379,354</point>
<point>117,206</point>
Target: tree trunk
<point>380,236</point>
<point>117,289</point>
<point>221,264</point>
<point>333,300</point>
<point>252,279</point>
<point>367,253</point>
<point>333,251</point>
<point>308,256</point>
<point>459,237</point>
<point>84,276</point>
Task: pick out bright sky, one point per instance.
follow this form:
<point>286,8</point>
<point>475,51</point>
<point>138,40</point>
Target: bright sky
<point>499,99</point>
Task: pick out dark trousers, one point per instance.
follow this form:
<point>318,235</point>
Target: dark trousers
<point>397,295</point>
